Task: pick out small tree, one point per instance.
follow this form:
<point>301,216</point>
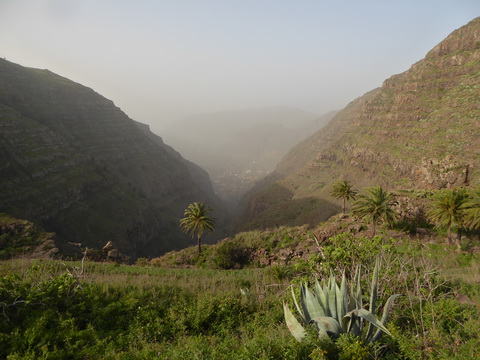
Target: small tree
<point>375,206</point>
<point>471,209</point>
<point>197,221</point>
<point>447,210</point>
<point>343,190</point>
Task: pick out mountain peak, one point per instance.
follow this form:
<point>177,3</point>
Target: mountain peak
<point>466,38</point>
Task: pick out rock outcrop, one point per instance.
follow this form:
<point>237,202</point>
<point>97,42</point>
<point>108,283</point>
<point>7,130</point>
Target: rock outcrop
<point>21,238</point>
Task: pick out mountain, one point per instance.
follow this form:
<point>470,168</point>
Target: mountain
<point>420,129</point>
<point>74,163</point>
<point>239,147</point>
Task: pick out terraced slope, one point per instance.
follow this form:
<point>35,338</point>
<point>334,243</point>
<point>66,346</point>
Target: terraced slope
<point>421,129</point>
<point>77,165</point>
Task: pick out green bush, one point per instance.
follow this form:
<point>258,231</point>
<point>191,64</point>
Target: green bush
<point>230,255</point>
<point>344,252</point>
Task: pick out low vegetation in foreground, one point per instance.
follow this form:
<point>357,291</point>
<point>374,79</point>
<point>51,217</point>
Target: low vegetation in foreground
<point>230,300</point>
<point>53,310</point>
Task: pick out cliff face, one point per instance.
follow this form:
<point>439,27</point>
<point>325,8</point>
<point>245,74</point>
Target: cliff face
<point>77,165</point>
<point>421,129</point>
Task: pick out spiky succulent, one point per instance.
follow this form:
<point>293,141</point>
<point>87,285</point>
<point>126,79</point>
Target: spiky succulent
<point>333,310</point>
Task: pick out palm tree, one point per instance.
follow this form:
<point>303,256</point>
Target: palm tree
<point>447,210</point>
<point>472,210</point>
<point>343,190</point>
<point>197,221</point>
<point>375,206</point>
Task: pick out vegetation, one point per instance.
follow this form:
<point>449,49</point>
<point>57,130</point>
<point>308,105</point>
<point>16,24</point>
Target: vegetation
<point>446,210</point>
<point>118,311</point>
<point>21,238</point>
<point>343,190</point>
<point>334,310</point>
<point>225,302</point>
<point>197,221</point>
<point>53,309</point>
<point>375,206</point>
<point>471,209</point>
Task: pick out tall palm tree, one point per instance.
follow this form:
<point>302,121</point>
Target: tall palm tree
<point>375,206</point>
<point>472,210</point>
<point>196,220</point>
<point>447,210</point>
<point>343,190</point>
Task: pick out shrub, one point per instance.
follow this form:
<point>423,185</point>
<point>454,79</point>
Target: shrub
<point>230,255</point>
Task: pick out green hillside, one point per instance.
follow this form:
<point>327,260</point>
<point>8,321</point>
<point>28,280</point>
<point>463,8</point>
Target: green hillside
<point>75,164</point>
<point>419,130</point>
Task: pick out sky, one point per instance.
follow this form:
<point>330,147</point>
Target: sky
<point>160,61</point>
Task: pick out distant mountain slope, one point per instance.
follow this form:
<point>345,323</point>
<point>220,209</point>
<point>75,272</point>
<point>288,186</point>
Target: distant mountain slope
<point>421,129</point>
<point>239,147</point>
<point>77,165</point>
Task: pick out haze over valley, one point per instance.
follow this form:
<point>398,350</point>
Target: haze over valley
<point>239,179</point>
<point>69,154</point>
<point>238,148</point>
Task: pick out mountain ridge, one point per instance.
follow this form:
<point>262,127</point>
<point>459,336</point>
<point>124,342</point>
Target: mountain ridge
<point>77,165</point>
<point>419,130</point>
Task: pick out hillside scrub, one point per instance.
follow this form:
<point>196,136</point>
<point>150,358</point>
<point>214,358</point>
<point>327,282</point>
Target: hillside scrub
<point>226,302</point>
<point>119,311</point>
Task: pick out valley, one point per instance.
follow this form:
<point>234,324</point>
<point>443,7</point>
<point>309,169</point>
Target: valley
<point>349,235</point>
<point>239,148</point>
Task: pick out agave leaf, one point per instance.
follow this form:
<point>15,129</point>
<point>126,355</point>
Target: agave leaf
<point>322,334</point>
<point>344,295</point>
<point>358,295</point>
<point>293,325</point>
<point>350,323</point>
<point>297,306</point>
<point>351,302</point>
<point>331,282</point>
<point>303,302</point>
<point>373,297</point>
<point>321,298</point>
<point>358,290</point>
<point>384,319</point>
<point>340,310</point>
<point>328,324</point>
<point>318,288</point>
<point>332,301</point>
<point>374,322</point>
<point>326,300</point>
<point>313,306</point>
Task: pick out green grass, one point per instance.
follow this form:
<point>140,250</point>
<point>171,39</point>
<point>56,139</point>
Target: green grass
<point>139,312</point>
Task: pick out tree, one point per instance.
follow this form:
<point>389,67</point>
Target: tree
<point>447,210</point>
<point>375,206</point>
<point>196,220</point>
<point>343,190</point>
<point>471,209</point>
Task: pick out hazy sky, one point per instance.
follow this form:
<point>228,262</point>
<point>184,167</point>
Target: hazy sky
<point>161,60</point>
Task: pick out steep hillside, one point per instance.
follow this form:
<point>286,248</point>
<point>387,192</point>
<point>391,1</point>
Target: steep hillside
<point>239,147</point>
<point>421,129</point>
<point>77,165</point>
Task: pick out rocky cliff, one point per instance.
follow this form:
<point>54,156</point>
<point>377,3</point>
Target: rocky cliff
<point>77,165</point>
<point>421,129</point>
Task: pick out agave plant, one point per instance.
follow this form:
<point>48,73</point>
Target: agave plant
<point>333,310</point>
